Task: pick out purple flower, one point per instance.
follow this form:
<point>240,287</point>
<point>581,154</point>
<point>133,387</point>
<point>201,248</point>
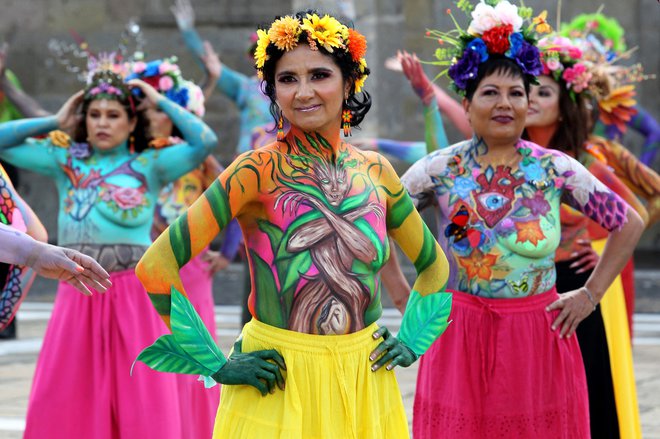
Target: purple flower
<point>529,59</point>
<point>465,69</point>
<point>479,46</point>
<point>537,205</point>
<point>80,150</point>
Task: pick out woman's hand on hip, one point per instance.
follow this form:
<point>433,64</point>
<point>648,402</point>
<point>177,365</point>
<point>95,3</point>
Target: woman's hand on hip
<point>575,306</point>
<point>391,351</point>
<point>253,369</point>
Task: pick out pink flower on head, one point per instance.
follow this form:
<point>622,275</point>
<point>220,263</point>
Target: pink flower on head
<point>139,67</point>
<point>165,83</point>
<point>166,67</point>
<point>574,52</point>
<point>553,64</point>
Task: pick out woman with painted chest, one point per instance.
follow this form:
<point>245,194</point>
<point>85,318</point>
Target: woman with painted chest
<point>315,213</point>
<point>108,183</point>
<point>508,365</point>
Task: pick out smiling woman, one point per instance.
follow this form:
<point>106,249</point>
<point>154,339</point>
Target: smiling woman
<point>316,214</point>
<point>108,182</point>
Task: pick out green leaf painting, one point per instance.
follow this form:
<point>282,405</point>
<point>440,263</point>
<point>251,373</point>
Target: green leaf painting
<point>426,317</point>
<point>192,335</point>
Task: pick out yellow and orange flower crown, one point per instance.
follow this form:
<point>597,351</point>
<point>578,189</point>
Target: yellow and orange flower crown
<point>326,32</point>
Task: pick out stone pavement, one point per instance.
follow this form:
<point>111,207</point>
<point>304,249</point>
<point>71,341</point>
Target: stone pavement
<point>17,362</point>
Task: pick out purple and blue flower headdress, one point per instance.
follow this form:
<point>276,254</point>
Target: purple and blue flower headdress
<point>496,28</point>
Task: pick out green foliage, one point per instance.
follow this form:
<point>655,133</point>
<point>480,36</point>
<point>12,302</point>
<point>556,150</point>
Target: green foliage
<point>268,306</point>
<point>426,317</point>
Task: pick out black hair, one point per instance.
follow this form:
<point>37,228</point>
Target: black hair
<point>141,135</point>
<point>358,104</point>
<point>493,65</point>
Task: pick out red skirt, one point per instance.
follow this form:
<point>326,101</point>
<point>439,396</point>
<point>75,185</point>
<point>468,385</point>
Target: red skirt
<point>500,371</point>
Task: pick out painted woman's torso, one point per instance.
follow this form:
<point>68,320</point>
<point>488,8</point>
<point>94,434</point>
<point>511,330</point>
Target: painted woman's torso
<point>500,225</point>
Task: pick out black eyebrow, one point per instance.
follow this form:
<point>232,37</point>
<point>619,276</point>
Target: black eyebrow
<point>313,70</point>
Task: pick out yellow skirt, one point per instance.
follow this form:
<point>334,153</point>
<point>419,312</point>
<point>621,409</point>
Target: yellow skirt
<point>330,391</point>
<point>615,319</point>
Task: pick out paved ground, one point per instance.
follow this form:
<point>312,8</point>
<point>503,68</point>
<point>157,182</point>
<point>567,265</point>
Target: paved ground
<point>17,362</point>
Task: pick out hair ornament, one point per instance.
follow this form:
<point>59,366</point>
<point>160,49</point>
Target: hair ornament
<point>322,32</point>
<point>497,27</point>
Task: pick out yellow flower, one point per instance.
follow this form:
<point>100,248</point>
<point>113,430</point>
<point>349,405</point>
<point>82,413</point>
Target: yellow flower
<point>284,33</point>
<point>359,83</point>
<point>542,26</point>
<point>326,31</point>
<point>59,138</point>
<point>260,55</point>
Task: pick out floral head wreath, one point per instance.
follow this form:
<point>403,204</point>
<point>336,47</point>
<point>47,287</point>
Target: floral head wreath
<point>562,60</point>
<point>105,78</point>
<point>165,76</point>
<point>322,32</point>
<point>496,28</point>
<point>601,40</point>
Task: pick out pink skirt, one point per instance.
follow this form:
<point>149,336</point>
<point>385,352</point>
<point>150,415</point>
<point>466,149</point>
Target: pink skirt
<point>500,371</point>
<point>82,386</point>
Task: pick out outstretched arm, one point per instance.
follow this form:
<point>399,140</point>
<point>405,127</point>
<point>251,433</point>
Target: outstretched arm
<point>26,105</point>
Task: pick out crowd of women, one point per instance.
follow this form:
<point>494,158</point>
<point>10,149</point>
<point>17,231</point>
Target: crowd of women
<point>501,289</point>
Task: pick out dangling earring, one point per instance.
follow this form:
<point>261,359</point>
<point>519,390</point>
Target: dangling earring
<point>346,117</point>
<point>131,143</point>
<point>280,128</point>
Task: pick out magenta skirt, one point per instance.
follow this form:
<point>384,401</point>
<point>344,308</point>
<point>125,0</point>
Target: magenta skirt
<point>499,371</point>
<point>82,386</point>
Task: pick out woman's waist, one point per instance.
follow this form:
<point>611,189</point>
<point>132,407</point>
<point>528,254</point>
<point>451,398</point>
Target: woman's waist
<point>112,257</point>
<point>508,305</point>
<point>310,343</point>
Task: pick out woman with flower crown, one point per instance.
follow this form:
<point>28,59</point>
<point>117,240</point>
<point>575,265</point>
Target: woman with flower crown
<point>558,119</point>
<point>508,365</point>
<point>315,213</point>
<point>108,182</point>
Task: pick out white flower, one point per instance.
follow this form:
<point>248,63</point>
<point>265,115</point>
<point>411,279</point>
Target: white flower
<point>508,14</point>
<point>485,17</point>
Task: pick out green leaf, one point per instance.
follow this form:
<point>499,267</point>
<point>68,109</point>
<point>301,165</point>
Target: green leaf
<point>191,334</point>
<point>274,233</point>
<point>293,268</point>
<point>424,320</point>
<point>268,306</point>
<point>165,355</point>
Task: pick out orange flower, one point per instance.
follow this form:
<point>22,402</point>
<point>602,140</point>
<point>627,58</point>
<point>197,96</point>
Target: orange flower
<point>284,33</point>
<point>357,45</point>
<point>478,265</point>
<point>59,138</point>
<point>529,231</point>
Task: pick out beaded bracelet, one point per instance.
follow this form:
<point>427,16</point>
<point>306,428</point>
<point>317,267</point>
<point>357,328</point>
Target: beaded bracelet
<point>590,296</point>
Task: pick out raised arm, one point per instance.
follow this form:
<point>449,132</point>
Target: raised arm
<point>647,126</point>
<point>229,81</point>
<point>175,161</point>
<point>24,103</point>
<point>585,193</point>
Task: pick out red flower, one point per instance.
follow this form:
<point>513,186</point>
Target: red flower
<point>497,38</point>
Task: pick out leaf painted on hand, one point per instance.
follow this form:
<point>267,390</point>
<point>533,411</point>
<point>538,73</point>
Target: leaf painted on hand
<point>192,335</point>
<point>424,320</point>
<point>165,355</point>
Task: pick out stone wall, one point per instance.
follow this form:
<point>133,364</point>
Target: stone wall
<point>388,25</point>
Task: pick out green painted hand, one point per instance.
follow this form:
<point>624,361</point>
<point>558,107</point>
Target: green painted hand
<point>391,351</point>
<point>253,369</point>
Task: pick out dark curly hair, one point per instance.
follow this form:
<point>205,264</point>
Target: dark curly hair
<point>127,100</point>
<point>358,104</point>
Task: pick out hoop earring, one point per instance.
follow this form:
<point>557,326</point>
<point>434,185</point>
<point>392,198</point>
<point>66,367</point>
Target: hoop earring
<point>346,117</point>
<point>280,128</point>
